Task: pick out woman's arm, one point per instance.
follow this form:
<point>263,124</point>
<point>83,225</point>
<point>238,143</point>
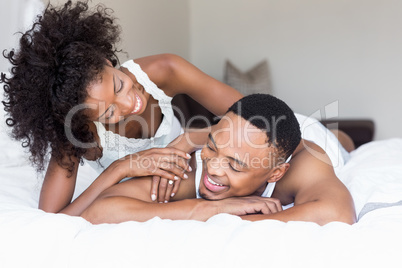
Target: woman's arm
<point>58,189</point>
<point>106,179</point>
<point>175,75</point>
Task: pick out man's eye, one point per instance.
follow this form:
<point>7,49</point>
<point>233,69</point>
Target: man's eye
<point>235,170</point>
<point>209,147</point>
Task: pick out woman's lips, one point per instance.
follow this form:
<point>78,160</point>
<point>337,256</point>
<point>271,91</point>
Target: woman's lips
<point>138,104</point>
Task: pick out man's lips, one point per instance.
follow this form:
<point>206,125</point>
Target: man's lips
<point>212,185</point>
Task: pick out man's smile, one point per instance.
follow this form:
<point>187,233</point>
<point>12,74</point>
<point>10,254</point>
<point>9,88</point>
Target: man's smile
<point>212,185</point>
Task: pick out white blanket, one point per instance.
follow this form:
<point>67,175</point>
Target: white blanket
<point>32,238</point>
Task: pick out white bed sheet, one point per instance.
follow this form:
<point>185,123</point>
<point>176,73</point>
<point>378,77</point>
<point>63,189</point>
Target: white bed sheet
<point>31,238</point>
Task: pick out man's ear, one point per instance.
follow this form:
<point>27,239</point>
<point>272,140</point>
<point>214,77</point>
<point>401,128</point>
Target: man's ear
<point>277,172</point>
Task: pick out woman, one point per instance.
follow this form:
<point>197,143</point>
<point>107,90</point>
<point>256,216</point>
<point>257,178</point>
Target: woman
<point>65,95</point>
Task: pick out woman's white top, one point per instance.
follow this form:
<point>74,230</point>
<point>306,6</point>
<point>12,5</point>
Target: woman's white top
<point>116,146</point>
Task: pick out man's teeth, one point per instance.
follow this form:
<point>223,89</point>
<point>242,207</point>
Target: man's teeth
<point>137,105</point>
<point>214,183</point>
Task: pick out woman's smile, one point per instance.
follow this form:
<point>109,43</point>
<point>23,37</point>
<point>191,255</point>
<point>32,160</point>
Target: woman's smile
<point>138,104</point>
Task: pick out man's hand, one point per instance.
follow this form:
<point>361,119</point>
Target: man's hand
<point>117,208</point>
<point>249,205</point>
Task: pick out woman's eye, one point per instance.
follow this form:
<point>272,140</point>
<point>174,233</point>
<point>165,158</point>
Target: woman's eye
<point>121,86</point>
<point>110,115</point>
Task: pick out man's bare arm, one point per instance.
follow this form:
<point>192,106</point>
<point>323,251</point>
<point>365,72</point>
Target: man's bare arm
<point>313,211</point>
<point>319,196</point>
<point>129,201</point>
<point>116,209</point>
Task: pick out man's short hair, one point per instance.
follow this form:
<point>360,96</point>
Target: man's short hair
<point>274,117</point>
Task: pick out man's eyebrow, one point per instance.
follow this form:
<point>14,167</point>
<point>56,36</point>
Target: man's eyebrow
<point>212,140</point>
<point>238,161</point>
<point>114,90</point>
<point>241,163</point>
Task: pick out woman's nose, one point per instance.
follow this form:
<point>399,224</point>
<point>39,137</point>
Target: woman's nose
<point>125,104</point>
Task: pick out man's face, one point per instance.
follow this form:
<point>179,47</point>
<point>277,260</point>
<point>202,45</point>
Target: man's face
<point>237,160</point>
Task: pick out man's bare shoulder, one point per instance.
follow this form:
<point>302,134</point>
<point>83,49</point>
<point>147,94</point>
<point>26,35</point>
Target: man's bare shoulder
<point>310,175</point>
<point>312,185</point>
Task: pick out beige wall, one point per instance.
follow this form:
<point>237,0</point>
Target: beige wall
<point>13,16</point>
<point>150,27</point>
<point>322,53</point>
<point>344,54</point>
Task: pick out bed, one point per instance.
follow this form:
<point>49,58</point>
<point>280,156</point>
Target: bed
<point>32,238</point>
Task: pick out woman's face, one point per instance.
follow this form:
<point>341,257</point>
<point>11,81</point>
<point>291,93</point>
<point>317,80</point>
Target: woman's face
<point>114,97</point>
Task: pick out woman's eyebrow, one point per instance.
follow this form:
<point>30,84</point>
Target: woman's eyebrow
<point>114,83</point>
<point>104,112</point>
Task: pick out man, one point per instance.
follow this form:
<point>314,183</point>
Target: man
<point>253,163</point>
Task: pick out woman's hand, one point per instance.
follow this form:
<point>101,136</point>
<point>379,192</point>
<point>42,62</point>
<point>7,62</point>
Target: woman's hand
<point>169,163</point>
<point>162,188</point>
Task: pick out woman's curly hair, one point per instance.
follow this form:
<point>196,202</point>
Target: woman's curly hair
<point>57,59</point>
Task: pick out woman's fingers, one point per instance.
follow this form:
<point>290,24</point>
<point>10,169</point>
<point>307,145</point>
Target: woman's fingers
<point>171,190</point>
<point>174,165</point>
<point>174,151</point>
<point>163,189</point>
<point>175,188</point>
<point>174,169</point>
<point>161,159</point>
<point>154,187</point>
<point>163,185</point>
<point>171,184</point>
<point>166,174</point>
<point>173,155</point>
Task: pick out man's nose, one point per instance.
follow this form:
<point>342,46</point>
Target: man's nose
<point>216,167</point>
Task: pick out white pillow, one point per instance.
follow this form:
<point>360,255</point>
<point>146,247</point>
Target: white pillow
<point>255,80</point>
<point>373,175</point>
